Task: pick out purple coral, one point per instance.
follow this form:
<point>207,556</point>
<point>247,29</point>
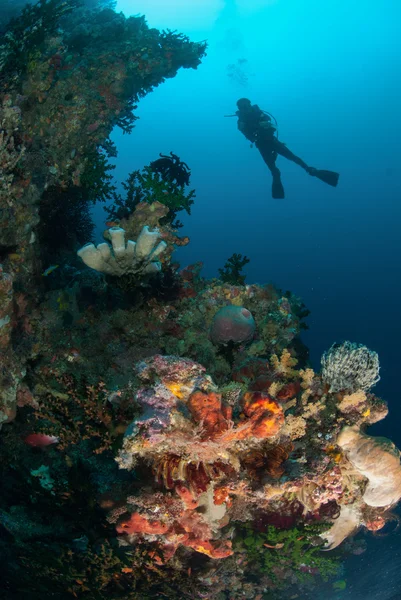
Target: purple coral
<point>232,324</point>
<point>171,368</point>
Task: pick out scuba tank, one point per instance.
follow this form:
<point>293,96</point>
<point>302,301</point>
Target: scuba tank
<point>274,119</point>
<point>264,112</point>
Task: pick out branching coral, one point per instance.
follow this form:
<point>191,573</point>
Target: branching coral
<point>232,270</point>
<point>150,187</point>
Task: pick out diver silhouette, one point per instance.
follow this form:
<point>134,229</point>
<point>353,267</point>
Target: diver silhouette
<point>258,128</point>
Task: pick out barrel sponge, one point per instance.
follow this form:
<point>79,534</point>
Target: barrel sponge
<point>350,367</point>
<point>377,459</point>
<point>232,324</point>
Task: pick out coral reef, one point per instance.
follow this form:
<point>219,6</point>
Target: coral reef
<point>70,72</point>
<point>171,438</point>
<point>203,452</point>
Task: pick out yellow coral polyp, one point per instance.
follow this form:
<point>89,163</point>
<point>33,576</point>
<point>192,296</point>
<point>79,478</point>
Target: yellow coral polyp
<point>175,388</point>
<point>334,454</point>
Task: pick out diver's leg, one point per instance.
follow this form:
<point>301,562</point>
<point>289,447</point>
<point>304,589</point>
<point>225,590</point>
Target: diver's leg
<point>270,159</point>
<point>282,149</point>
<point>329,177</point>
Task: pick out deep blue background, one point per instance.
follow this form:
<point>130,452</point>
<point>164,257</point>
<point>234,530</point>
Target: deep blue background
<point>330,72</point>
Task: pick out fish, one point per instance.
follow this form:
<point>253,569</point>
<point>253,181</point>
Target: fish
<point>40,440</point>
<point>49,270</point>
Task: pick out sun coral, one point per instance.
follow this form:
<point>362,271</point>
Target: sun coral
<point>266,416</point>
<point>208,410</point>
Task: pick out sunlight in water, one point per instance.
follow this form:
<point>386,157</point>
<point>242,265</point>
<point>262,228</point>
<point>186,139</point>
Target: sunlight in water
<point>177,14</point>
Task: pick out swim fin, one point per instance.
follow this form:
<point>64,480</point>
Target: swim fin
<point>329,177</point>
<point>277,189</point>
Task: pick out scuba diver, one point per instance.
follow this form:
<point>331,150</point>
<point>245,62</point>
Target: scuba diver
<point>258,128</point>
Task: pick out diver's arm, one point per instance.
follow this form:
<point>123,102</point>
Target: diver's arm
<point>242,126</point>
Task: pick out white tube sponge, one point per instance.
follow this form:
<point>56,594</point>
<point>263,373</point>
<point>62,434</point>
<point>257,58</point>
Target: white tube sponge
<point>105,251</point>
<point>161,246</point>
<point>95,258</point>
<point>125,258</point>
<point>146,242</point>
<point>117,236</point>
<point>377,459</point>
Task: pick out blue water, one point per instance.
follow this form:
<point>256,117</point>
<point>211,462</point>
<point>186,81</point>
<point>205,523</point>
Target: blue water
<point>330,72</point>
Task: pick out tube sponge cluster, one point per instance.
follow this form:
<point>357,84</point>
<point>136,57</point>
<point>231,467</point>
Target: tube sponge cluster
<point>123,258</point>
<point>350,367</point>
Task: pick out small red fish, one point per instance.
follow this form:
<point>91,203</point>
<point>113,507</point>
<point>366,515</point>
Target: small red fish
<point>40,440</point>
<point>111,223</point>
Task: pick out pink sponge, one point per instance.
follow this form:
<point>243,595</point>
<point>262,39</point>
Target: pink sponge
<point>232,324</point>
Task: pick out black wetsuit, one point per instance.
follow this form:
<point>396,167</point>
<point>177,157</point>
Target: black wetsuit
<point>258,128</point>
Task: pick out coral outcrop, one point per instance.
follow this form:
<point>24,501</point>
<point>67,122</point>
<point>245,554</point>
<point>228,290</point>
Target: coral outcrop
<point>205,450</point>
<point>70,73</point>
